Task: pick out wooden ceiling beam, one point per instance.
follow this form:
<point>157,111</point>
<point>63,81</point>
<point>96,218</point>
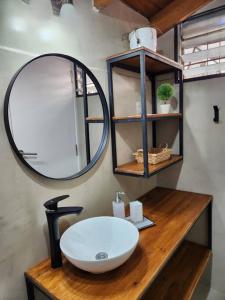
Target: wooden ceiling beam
<point>162,14</point>
<point>147,8</point>
<point>100,4</point>
<point>174,13</point>
<point>143,7</point>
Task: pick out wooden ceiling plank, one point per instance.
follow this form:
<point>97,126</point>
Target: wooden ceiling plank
<point>162,14</point>
<point>174,13</point>
<point>100,4</point>
<point>145,8</point>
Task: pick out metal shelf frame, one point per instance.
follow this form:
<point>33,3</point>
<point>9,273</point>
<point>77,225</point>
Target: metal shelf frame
<point>120,61</point>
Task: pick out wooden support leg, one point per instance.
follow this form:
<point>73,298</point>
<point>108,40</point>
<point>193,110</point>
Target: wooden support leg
<point>30,289</point>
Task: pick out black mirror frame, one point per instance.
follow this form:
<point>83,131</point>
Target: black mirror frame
<point>105,133</point>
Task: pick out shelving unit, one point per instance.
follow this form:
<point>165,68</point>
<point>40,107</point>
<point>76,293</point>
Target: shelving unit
<point>150,64</point>
<point>87,119</point>
<point>94,120</point>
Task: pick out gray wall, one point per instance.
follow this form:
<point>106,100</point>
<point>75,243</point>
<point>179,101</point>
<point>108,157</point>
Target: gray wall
<point>29,30</point>
<point>25,31</point>
<point>203,169</point>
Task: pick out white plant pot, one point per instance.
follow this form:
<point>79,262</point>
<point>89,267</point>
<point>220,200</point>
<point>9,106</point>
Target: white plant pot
<point>164,108</point>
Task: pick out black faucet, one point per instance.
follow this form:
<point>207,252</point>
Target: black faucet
<point>54,212</point>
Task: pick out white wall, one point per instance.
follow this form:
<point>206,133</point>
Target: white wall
<point>203,169</point>
<point>26,30</point>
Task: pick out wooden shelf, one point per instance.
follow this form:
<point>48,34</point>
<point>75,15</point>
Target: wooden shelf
<point>181,275</point>
<point>155,62</point>
<point>174,213</point>
<point>95,120</point>
<point>138,169</point>
<point>150,117</point>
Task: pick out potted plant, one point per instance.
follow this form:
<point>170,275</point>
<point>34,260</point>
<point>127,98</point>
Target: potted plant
<point>165,92</point>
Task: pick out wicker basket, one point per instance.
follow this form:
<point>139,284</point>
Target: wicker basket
<point>155,156</point>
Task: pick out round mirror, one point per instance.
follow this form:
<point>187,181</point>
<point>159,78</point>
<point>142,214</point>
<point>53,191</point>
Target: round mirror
<point>56,116</point>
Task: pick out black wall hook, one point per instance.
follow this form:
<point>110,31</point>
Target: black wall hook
<point>216,114</point>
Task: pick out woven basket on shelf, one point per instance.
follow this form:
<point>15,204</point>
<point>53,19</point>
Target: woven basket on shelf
<point>155,156</point>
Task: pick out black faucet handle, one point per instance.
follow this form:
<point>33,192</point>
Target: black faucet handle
<point>63,211</point>
<point>52,204</point>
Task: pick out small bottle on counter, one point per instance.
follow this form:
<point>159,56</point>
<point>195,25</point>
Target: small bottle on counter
<point>136,211</point>
<point>118,206</point>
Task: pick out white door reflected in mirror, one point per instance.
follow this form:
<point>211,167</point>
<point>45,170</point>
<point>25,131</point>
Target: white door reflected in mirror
<point>51,107</point>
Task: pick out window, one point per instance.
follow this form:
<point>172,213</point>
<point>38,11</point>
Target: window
<point>202,44</point>
<point>91,89</point>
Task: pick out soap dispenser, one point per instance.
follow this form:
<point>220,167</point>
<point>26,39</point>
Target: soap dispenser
<point>118,206</point>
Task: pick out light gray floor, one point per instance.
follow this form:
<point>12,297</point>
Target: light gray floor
<point>204,293</point>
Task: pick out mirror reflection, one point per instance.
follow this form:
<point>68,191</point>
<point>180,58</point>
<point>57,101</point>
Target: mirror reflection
<point>55,116</point>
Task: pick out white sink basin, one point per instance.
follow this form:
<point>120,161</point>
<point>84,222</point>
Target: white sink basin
<point>100,244</point>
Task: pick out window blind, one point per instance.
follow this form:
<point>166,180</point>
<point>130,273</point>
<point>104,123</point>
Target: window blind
<point>203,45</point>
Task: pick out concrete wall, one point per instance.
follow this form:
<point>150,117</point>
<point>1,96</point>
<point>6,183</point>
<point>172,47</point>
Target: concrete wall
<point>29,30</point>
<point>26,31</point>
<point>203,168</point>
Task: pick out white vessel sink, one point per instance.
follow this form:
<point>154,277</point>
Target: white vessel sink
<point>99,244</point>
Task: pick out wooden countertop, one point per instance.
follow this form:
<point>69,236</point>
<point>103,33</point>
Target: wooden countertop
<point>174,213</point>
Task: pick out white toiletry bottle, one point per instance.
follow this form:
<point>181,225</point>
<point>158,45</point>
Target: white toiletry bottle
<point>136,211</point>
<point>118,206</point>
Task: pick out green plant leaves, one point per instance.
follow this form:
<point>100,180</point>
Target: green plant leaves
<point>165,91</point>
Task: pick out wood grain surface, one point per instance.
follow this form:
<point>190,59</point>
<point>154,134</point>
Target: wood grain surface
<point>155,62</point>
<point>149,116</point>
<point>181,275</point>
<point>174,213</point>
<point>138,169</point>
